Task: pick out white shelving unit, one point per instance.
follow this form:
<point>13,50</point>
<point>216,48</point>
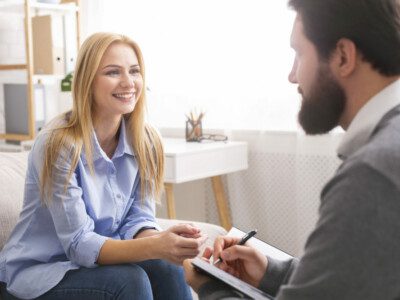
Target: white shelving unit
<point>32,8</point>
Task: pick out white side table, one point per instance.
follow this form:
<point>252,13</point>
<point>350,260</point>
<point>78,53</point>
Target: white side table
<point>187,161</point>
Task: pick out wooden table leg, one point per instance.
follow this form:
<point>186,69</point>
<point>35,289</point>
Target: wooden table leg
<point>169,193</point>
<point>222,203</point>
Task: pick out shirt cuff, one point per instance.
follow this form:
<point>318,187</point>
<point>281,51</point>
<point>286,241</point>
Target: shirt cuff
<point>89,250</point>
<point>131,232</point>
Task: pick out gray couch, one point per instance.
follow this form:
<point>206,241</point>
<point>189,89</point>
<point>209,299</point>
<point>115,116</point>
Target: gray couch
<point>12,177</point>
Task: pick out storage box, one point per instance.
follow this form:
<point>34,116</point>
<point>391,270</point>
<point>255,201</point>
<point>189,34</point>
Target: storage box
<point>48,45</point>
<point>16,108</point>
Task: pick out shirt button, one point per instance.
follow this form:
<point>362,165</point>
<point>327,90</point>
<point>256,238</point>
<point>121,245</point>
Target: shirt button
<point>119,196</point>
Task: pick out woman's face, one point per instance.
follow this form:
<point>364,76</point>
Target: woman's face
<point>118,83</point>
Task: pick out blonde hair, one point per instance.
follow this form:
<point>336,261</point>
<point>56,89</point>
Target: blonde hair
<point>66,141</point>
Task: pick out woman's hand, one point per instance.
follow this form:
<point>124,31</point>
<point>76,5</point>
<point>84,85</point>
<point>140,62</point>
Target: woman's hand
<point>179,242</point>
<point>244,262</point>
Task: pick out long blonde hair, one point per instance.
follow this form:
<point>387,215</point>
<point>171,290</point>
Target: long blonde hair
<point>66,141</point>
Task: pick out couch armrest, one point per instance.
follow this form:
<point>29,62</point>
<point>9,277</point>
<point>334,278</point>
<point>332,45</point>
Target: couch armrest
<point>210,229</point>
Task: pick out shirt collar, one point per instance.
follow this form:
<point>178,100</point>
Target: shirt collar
<point>124,146</point>
<point>367,118</point>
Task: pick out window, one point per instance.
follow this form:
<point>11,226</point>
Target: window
<point>229,58</point>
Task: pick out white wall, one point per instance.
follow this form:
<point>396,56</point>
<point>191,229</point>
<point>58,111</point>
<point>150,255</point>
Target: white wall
<point>230,58</point>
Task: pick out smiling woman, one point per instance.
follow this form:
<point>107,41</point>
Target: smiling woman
<point>219,56</point>
<point>88,227</point>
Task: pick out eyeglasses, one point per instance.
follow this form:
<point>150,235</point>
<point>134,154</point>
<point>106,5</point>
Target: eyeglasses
<point>212,137</point>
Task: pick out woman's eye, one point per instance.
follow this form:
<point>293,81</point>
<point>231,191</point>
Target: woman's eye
<point>134,71</point>
<point>112,73</point>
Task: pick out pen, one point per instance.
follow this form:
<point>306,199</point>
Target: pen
<point>244,239</point>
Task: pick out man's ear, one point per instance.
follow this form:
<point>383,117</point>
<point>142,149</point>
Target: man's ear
<point>344,57</point>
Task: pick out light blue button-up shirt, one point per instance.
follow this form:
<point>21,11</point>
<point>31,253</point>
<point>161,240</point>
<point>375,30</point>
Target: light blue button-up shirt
<point>50,240</point>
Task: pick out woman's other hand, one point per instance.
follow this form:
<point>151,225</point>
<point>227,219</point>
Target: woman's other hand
<point>179,242</point>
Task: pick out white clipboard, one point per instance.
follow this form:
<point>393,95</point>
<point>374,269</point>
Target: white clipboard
<point>227,278</point>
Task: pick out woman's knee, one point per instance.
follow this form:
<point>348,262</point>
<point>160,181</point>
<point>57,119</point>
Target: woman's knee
<point>118,281</point>
<point>167,280</point>
<point>163,272</point>
<point>160,266</point>
<point>132,280</point>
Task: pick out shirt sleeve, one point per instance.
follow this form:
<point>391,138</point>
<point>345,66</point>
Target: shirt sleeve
<point>140,215</point>
<point>73,226</point>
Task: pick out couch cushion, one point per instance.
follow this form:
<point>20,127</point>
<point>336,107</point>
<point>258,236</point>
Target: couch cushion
<point>12,178</point>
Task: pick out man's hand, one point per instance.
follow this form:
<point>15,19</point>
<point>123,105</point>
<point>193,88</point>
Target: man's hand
<point>194,278</point>
<point>244,262</point>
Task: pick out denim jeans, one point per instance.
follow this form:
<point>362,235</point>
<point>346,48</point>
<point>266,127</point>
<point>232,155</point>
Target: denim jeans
<point>151,279</point>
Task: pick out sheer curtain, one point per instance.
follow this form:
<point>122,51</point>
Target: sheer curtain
<point>229,58</point>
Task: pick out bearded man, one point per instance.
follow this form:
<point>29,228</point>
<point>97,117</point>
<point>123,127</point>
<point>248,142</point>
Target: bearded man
<point>347,68</point>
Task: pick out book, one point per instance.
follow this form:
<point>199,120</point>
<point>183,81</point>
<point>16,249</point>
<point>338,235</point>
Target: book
<point>234,282</point>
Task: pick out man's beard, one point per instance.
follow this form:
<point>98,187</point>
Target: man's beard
<point>321,110</point>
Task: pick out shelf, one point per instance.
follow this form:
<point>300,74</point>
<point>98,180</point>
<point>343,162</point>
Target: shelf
<point>10,148</point>
<point>20,78</point>
<point>22,72</point>
<point>21,146</point>
<point>13,67</point>
<point>47,79</point>
<point>70,7</point>
<point>15,136</point>
<point>67,7</point>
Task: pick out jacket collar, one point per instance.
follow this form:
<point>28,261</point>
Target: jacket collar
<point>369,116</point>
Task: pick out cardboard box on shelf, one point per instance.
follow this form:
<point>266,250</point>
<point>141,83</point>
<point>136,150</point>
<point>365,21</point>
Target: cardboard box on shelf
<point>48,45</point>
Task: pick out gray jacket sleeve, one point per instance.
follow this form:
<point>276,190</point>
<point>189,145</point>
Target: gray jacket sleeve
<point>354,250</point>
<point>278,273</point>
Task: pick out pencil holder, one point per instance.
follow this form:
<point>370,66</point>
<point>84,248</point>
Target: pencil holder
<point>194,131</point>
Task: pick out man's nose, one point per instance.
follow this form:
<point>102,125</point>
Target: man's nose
<point>292,75</point>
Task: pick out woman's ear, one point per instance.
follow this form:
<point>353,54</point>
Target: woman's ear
<point>344,58</point>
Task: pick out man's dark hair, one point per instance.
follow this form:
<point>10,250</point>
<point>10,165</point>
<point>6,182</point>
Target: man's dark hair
<point>373,26</point>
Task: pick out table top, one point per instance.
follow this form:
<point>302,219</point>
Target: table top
<point>187,161</point>
<point>177,146</point>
